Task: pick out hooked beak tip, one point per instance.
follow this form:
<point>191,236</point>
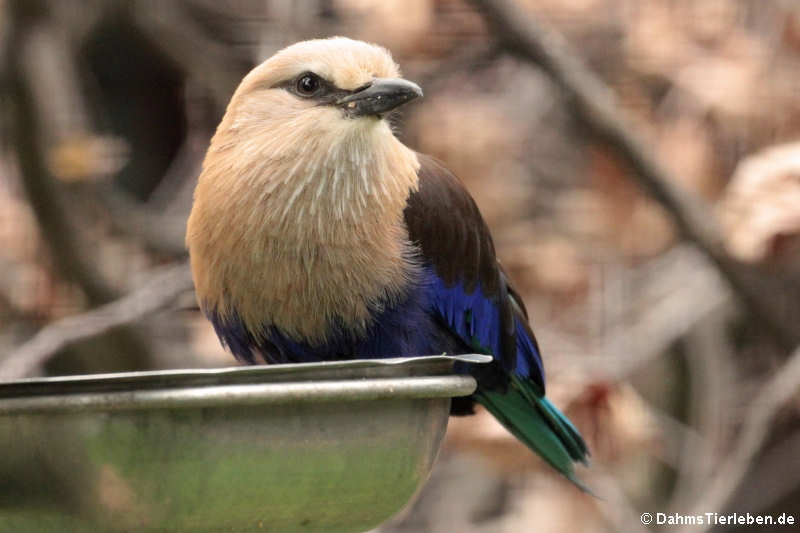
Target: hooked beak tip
<point>380,96</point>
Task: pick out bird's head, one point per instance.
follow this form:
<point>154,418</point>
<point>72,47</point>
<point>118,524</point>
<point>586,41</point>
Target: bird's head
<point>316,94</point>
<point>313,115</point>
<point>304,166</point>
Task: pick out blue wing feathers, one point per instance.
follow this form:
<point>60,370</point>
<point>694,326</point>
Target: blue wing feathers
<point>476,319</point>
<point>469,314</point>
<point>529,360</point>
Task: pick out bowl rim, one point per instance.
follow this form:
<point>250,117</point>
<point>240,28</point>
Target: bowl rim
<point>254,394</point>
<point>353,380</point>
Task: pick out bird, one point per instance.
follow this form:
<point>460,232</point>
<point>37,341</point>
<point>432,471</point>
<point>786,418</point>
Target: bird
<point>315,235</point>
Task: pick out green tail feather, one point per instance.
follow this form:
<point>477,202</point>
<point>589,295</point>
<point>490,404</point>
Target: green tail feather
<point>544,429</point>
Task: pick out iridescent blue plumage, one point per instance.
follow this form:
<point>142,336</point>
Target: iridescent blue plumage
<point>476,318</point>
<point>405,327</point>
<point>433,318</point>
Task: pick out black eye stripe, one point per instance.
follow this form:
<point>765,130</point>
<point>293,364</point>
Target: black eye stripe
<point>326,93</point>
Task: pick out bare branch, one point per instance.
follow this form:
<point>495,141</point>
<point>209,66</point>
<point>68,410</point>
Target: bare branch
<point>159,291</point>
<point>594,104</point>
<point>771,396</point>
<point>160,231</point>
<point>712,406</point>
<point>665,309</point>
<point>777,469</point>
<point>619,510</point>
<point>57,227</point>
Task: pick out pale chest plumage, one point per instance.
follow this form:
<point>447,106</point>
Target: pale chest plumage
<point>303,235</point>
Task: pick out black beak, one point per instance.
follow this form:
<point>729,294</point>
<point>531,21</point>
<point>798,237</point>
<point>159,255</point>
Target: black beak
<point>380,96</point>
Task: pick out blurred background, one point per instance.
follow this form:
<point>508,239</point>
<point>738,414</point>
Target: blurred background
<point>107,107</point>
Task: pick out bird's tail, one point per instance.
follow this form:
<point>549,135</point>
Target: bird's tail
<point>530,417</point>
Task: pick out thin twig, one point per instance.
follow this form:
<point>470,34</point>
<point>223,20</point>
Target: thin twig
<point>217,68</point>
<point>666,308</point>
<point>768,400</point>
<point>711,406</point>
<point>468,59</point>
<point>777,469</point>
<point>159,291</point>
<point>160,231</point>
<point>595,105</point>
<point>619,511</point>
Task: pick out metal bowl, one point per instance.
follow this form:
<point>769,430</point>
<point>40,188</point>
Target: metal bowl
<point>328,447</point>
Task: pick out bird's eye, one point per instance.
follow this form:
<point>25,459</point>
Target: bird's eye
<point>308,84</point>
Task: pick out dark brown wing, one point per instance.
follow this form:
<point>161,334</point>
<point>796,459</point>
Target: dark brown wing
<point>470,290</point>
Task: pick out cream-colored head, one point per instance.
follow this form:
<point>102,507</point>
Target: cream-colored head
<point>346,63</point>
<point>297,220</point>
